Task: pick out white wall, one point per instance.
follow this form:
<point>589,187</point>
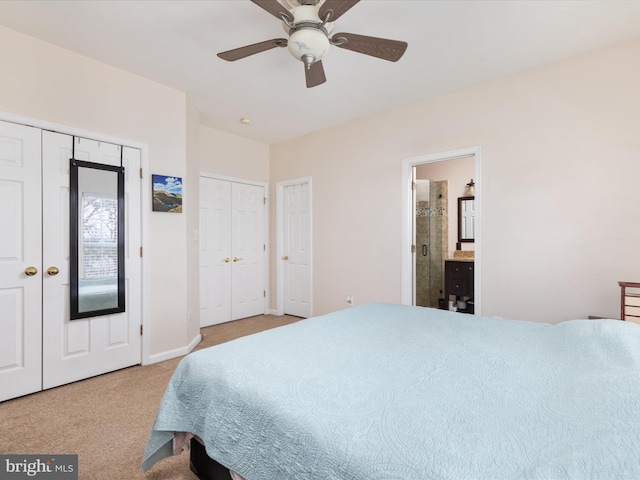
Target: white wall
<point>45,82</point>
<point>560,167</point>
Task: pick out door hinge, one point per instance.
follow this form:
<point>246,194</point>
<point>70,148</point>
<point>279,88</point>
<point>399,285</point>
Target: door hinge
<point>413,249</point>
<point>264,293</point>
<point>413,185</point>
<point>140,172</point>
<point>264,200</point>
<point>140,330</point>
<point>140,251</point>
<point>264,247</point>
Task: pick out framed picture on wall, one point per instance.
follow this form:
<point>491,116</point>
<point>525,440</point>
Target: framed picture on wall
<point>167,193</point>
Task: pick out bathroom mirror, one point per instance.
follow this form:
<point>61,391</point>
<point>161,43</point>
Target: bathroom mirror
<point>96,214</point>
<point>466,219</point>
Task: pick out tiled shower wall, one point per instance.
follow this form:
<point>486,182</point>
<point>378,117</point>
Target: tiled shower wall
<point>432,231</point>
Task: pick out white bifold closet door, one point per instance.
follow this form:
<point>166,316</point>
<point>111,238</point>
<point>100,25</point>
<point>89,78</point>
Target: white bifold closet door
<point>232,251</point>
<point>40,347</point>
<point>20,250</point>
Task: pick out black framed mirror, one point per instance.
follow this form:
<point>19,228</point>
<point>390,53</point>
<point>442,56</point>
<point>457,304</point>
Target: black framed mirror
<point>466,219</point>
<point>96,214</point>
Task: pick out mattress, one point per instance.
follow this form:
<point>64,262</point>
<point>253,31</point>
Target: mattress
<point>385,391</point>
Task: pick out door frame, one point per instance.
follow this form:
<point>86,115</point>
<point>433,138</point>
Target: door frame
<point>145,205</point>
<point>280,186</point>
<point>265,187</point>
<point>407,218</point>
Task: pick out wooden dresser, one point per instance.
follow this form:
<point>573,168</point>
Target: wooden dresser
<point>458,282</point>
<point>630,301</point>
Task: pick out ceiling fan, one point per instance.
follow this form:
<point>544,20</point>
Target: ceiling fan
<point>309,25</point>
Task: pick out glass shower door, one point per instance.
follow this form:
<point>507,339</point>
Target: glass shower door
<point>431,236</point>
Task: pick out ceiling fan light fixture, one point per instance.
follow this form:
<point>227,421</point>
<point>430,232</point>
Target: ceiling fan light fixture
<point>308,35</point>
<point>307,42</point>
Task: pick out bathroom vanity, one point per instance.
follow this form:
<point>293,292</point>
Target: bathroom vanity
<point>458,283</point>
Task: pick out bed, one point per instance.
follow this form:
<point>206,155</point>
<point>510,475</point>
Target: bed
<point>394,392</point>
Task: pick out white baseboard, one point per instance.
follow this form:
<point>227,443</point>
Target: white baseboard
<point>178,352</point>
<point>194,343</point>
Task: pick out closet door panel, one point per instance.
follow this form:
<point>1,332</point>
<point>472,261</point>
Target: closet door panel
<point>248,296</point>
<point>78,349</point>
<point>20,261</point>
<point>215,251</point>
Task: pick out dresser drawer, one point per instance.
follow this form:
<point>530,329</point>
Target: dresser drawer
<point>629,318</point>
<point>459,286</point>
<point>633,311</point>
<point>458,269</point>
<point>632,300</point>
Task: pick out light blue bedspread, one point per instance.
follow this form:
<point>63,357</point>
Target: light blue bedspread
<point>391,392</point>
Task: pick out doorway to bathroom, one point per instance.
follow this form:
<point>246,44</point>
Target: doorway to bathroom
<point>433,185</point>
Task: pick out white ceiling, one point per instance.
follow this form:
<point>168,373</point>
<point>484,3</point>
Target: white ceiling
<point>452,45</point>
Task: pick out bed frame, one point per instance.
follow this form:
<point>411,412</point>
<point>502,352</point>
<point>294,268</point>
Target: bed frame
<point>204,467</point>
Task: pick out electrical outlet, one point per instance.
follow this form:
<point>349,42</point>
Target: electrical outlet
<point>349,300</point>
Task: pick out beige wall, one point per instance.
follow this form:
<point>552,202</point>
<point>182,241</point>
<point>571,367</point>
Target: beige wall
<point>44,82</point>
<point>192,188</point>
<point>232,156</point>
<point>560,168</point>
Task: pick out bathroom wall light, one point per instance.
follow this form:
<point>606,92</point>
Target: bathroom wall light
<point>470,189</point>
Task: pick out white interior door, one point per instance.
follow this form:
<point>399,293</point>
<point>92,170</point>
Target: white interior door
<point>296,250</point>
<point>247,250</point>
<point>215,251</point>
<point>20,248</point>
<point>77,349</point>
<point>232,250</point>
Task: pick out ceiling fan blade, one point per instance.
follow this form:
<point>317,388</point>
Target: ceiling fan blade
<point>339,7</point>
<point>242,52</point>
<point>382,48</point>
<point>275,8</point>
<point>315,74</point>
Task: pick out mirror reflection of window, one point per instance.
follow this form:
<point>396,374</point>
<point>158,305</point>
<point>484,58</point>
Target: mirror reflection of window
<point>468,219</point>
<point>98,265</point>
<point>97,246</point>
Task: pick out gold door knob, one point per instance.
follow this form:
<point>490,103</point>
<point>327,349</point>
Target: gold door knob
<point>227,260</point>
<point>236,259</point>
<point>286,257</point>
<point>30,271</point>
<point>53,271</point>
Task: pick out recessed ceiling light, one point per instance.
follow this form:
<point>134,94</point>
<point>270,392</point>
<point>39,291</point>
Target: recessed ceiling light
<point>245,121</point>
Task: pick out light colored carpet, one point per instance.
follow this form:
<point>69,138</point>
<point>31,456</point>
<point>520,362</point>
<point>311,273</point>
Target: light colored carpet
<point>106,420</point>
